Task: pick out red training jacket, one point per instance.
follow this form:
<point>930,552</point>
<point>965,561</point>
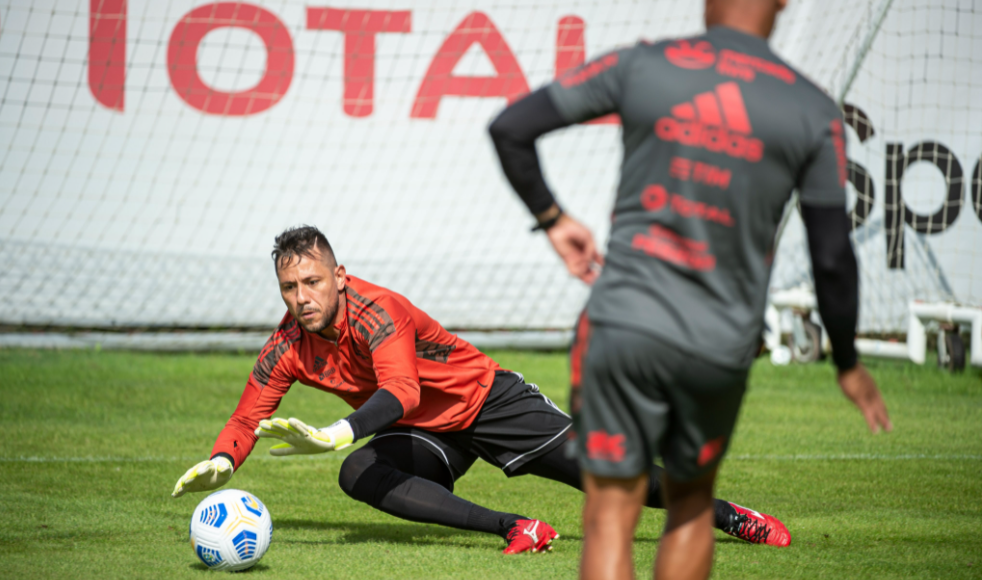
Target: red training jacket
<point>385,343</point>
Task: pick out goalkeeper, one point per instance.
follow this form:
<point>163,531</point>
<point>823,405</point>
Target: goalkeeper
<point>434,402</point>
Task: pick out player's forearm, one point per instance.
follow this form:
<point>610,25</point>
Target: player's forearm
<point>235,442</point>
<point>836,279</point>
<point>235,445</point>
<point>514,132</point>
<point>380,411</point>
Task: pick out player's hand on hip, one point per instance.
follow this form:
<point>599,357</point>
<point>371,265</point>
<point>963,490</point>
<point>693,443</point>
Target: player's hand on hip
<point>574,244</point>
<point>298,438</point>
<point>205,476</point>
<point>860,388</point>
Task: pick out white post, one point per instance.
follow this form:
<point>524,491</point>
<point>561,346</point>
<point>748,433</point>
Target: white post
<point>916,338</point>
<point>950,313</point>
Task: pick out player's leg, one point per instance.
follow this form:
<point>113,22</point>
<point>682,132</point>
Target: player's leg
<point>558,465</point>
<point>610,515</point>
<point>686,546</point>
<point>620,415</point>
<point>704,401</point>
<point>406,477</point>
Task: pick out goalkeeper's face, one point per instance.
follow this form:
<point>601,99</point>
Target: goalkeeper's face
<point>311,288</point>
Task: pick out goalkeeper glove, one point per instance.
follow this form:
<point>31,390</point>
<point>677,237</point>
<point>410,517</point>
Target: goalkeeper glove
<point>298,438</point>
<point>205,476</point>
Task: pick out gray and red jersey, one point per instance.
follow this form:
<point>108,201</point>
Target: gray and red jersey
<point>717,132</point>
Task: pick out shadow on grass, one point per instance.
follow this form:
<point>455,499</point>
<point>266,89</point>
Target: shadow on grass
<point>419,534</point>
<point>202,568</point>
<point>401,533</point>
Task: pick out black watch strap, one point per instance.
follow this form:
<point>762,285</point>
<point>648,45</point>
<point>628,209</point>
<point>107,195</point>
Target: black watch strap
<point>545,225</point>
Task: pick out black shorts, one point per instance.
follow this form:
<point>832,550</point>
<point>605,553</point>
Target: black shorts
<point>635,397</point>
<point>516,424</point>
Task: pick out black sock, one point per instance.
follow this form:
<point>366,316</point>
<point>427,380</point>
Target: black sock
<point>482,519</point>
<point>368,478</point>
<point>420,500</point>
<point>725,515</point>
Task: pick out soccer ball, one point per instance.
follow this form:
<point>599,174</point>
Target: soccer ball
<point>230,530</point>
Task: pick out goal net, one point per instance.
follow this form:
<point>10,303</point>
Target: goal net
<point>911,89</point>
<point>150,152</point>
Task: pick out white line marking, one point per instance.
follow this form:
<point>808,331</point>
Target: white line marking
<point>853,457</point>
<point>339,456</point>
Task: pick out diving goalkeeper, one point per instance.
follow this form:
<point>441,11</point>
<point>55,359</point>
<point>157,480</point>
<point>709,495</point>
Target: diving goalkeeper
<point>434,403</point>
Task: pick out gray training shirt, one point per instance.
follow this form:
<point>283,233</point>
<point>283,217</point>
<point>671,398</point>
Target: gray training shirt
<point>717,133</point>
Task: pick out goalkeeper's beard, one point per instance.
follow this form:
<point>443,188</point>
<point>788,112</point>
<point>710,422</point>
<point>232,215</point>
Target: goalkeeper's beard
<point>330,313</point>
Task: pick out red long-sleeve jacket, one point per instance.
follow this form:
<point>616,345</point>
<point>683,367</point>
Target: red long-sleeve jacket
<point>384,343</point>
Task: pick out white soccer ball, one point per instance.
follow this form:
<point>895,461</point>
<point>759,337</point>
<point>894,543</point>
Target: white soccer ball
<point>230,530</point>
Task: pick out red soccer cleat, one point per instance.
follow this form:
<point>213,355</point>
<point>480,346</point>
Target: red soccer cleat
<point>530,536</point>
<point>758,528</point>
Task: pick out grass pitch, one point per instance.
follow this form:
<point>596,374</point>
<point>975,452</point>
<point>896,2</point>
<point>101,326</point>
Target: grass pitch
<point>92,443</point>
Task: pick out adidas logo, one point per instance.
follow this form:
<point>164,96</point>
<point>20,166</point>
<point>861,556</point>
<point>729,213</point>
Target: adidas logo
<point>716,121</point>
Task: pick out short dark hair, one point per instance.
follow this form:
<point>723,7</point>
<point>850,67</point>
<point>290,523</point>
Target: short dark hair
<point>301,241</point>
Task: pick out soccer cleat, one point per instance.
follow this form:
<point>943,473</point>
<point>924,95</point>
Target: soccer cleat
<point>530,536</point>
<point>758,528</point>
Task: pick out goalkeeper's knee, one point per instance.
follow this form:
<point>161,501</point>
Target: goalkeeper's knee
<point>370,479</point>
<point>352,470</point>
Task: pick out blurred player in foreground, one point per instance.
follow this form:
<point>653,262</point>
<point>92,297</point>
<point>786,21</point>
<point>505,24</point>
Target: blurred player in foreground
<point>717,132</point>
<point>434,402</point>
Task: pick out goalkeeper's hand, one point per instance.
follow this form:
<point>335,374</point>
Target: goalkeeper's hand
<point>298,438</point>
<point>205,476</point>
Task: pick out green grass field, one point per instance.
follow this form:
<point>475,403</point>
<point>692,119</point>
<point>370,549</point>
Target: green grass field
<point>92,443</point>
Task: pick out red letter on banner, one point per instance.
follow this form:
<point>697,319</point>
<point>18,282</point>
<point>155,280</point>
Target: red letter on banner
<point>359,28</point>
<point>182,58</point>
<point>107,52</point>
<point>439,80</point>
<point>569,44</point>
<point>570,53</point>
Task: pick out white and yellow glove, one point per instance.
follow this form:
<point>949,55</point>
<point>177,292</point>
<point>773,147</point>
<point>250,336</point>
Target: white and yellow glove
<point>298,438</point>
<point>205,476</point>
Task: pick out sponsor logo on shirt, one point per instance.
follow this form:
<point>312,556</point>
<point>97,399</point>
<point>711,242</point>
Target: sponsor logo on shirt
<point>669,246</point>
<point>602,446</point>
<point>319,364</point>
<point>699,172</point>
<point>716,121</point>
<point>685,54</point>
<point>701,54</point>
<point>655,197</point>
<point>745,67</point>
<point>329,376</point>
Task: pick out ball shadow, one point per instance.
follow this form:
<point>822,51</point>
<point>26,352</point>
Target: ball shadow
<point>201,567</point>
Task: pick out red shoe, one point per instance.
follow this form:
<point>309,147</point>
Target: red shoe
<point>530,536</point>
<point>758,528</point>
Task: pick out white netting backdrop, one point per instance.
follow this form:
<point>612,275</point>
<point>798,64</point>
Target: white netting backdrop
<point>150,151</point>
<point>916,111</point>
